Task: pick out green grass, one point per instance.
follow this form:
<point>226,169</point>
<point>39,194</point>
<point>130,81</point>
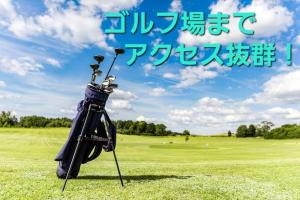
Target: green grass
<point>153,168</point>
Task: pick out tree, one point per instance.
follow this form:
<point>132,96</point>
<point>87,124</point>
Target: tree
<point>186,132</point>
<point>141,127</point>
<point>34,121</point>
<point>160,129</point>
<point>150,129</point>
<point>263,128</point>
<point>7,119</point>
<point>242,131</point>
<point>229,133</point>
<point>251,131</point>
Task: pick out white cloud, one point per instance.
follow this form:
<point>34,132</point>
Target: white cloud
<point>145,119</point>
<point>298,39</point>
<point>8,95</point>
<point>210,102</point>
<point>53,62</point>
<point>214,114</point>
<point>287,113</point>
<point>157,91</point>
<point>266,12</point>
<point>190,76</point>
<point>2,84</point>
<point>111,5</point>
<point>122,100</point>
<point>176,6</point>
<point>170,75</point>
<point>20,66</point>
<point>121,104</point>
<point>147,68</point>
<point>76,25</point>
<point>281,88</point>
<point>68,111</point>
<point>156,42</point>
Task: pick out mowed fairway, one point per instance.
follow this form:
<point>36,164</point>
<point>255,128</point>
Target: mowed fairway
<point>153,168</point>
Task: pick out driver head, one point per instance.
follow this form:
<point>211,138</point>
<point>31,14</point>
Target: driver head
<point>119,51</point>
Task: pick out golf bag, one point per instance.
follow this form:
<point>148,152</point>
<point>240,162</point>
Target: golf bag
<point>94,134</point>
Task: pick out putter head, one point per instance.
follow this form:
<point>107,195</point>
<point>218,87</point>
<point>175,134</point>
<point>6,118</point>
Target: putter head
<point>119,51</point>
<point>99,58</point>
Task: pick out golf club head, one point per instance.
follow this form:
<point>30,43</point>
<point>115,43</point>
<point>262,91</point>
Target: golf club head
<point>94,67</point>
<point>99,58</point>
<point>108,90</point>
<point>105,83</point>
<point>113,86</point>
<point>111,78</point>
<point>119,51</point>
<point>98,72</point>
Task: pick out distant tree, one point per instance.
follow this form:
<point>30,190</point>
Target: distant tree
<point>141,127</point>
<point>150,129</point>
<point>242,131</point>
<point>229,133</point>
<point>33,121</point>
<point>263,128</point>
<point>160,129</point>
<point>7,119</point>
<point>128,124</point>
<point>186,132</point>
<point>251,131</point>
<point>168,132</point>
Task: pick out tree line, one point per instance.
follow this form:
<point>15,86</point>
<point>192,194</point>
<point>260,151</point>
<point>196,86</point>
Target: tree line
<point>7,119</point>
<point>128,127</point>
<point>264,129</point>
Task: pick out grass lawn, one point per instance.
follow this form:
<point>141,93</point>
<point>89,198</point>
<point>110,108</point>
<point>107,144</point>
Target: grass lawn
<point>153,168</point>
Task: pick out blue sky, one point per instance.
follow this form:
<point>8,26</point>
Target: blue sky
<point>46,48</point>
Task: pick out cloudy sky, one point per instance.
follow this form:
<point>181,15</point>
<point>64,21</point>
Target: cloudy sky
<point>46,47</point>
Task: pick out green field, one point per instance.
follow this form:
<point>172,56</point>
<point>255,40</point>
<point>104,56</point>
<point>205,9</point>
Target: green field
<point>153,168</point>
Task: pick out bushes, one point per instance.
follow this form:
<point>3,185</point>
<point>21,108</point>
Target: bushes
<point>127,127</point>
<point>242,131</point>
<point>254,131</point>
<point>130,127</point>
<point>286,131</point>
<point>38,121</point>
<point>9,120</point>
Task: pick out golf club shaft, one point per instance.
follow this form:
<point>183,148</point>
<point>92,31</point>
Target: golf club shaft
<point>111,66</point>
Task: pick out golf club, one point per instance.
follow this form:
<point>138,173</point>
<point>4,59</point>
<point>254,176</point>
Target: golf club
<point>117,52</point>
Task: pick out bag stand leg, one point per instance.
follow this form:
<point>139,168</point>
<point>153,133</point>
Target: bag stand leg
<point>80,139</point>
<point>114,153</point>
<point>77,146</point>
<point>119,172</point>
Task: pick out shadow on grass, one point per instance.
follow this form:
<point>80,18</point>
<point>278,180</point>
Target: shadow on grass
<point>133,178</point>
